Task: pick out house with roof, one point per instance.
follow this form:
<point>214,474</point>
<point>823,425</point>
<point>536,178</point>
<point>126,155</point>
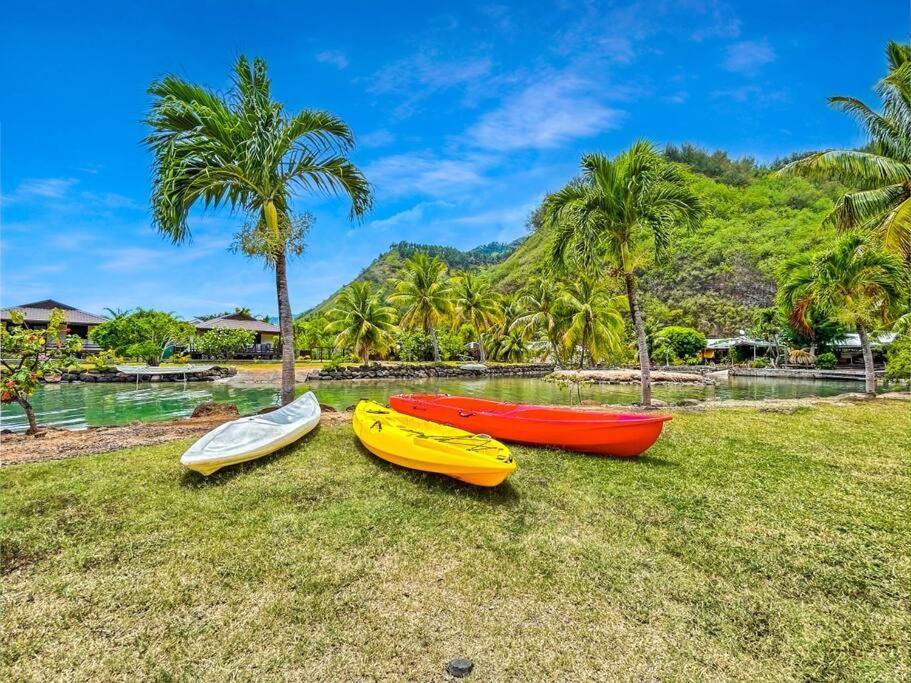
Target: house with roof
<point>265,334</point>
<point>741,346</point>
<point>37,315</point>
<point>849,351</point>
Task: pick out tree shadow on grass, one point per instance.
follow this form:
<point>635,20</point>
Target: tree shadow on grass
<point>504,494</point>
<point>195,480</point>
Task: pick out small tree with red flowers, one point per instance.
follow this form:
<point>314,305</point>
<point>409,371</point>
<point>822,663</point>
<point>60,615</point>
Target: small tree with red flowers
<point>30,354</point>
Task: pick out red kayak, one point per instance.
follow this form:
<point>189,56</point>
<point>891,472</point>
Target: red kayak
<point>618,434</point>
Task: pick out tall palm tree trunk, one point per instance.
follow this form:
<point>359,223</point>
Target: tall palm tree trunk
<point>435,344</point>
<point>286,327</point>
<point>869,374</point>
<point>645,368</point>
<point>481,356</point>
<point>555,350</point>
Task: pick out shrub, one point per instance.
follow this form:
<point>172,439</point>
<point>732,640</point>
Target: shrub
<point>898,359</point>
<point>417,346</point>
<point>143,334</point>
<point>105,360</point>
<point>678,343</point>
<point>223,343</point>
<point>760,363</point>
<point>826,361</point>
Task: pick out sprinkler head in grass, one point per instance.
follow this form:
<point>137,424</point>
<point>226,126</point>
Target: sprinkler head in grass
<point>460,667</point>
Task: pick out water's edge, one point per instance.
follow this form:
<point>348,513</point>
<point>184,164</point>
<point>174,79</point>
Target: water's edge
<point>77,405</point>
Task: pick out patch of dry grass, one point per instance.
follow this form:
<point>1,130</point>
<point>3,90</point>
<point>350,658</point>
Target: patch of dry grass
<point>743,546</point>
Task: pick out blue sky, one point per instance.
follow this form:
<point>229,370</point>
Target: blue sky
<point>466,115</point>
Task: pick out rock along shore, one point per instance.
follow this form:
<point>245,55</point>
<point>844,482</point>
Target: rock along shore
<point>208,375</point>
<point>381,371</point>
<point>627,376</point>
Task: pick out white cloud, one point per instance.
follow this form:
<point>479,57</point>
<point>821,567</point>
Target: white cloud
<point>425,173</point>
<point>40,188</point>
<point>377,138</point>
<point>336,58</point>
<point>409,216</point>
<point>424,74</point>
<point>748,56</point>
<point>546,114</point>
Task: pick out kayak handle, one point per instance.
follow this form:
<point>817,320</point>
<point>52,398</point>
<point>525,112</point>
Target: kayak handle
<point>464,414</point>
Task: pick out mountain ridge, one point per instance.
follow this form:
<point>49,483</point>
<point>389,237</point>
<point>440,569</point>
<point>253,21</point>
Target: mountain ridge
<point>714,278</point>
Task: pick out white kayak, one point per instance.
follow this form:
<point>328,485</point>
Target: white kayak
<point>253,437</point>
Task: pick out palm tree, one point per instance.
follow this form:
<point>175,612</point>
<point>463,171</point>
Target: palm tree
<point>855,282</point>
<point>476,305</point>
<point>243,150</point>
<point>595,323</point>
<point>361,322</point>
<point>426,295</point>
<point>614,215</point>
<point>882,170</point>
<point>506,341</point>
<point>541,301</point>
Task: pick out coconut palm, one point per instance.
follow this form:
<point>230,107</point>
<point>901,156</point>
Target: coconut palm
<point>475,304</point>
<point>595,323</point>
<point>361,322</point>
<point>882,170</point>
<point>426,296</point>
<point>855,282</point>
<point>614,216</point>
<point>245,151</point>
<point>541,301</point>
<point>506,341</point>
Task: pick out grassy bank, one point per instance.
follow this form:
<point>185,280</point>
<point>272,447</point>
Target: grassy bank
<point>745,545</point>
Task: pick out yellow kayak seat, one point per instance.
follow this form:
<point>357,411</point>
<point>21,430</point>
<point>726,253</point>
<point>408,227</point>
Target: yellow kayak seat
<point>421,445</point>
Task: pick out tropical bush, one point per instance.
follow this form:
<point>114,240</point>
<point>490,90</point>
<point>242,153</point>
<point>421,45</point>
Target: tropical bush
<point>104,360</point>
<point>898,357</point>
<point>310,333</point>
<point>678,343</point>
<point>223,343</point>
<point>144,334</point>
<point>417,346</point>
<point>826,361</point>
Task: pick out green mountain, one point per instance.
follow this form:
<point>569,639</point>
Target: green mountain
<point>386,268</point>
<point>713,278</point>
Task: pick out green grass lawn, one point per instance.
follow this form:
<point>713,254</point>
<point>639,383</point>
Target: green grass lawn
<point>744,545</point>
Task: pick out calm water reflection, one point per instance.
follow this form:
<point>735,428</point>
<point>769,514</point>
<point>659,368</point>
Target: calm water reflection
<point>79,405</point>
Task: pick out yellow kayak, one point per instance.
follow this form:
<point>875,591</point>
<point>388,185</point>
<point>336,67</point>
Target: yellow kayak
<point>411,442</point>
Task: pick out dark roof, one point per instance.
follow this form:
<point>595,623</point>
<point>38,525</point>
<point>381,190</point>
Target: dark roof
<point>236,321</point>
<point>40,312</point>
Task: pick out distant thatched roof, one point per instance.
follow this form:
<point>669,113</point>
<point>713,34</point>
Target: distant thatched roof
<point>40,312</point>
<point>236,321</point>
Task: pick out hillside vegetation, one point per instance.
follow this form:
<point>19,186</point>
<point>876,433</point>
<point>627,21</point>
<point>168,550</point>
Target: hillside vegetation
<point>713,278</point>
<point>386,268</point>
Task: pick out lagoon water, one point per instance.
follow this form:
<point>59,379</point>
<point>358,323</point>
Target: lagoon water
<point>77,405</point>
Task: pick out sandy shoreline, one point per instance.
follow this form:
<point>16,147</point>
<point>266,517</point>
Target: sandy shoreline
<point>56,444</point>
